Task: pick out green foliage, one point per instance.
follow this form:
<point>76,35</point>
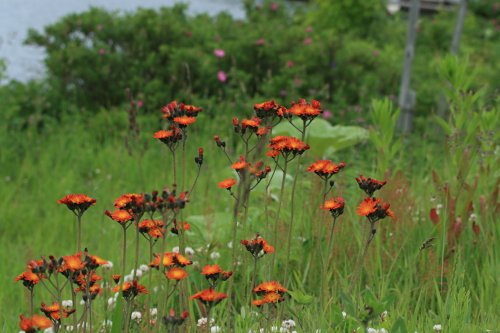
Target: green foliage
<point>383,135</point>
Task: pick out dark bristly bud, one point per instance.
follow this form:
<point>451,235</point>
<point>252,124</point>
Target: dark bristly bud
<point>332,182</point>
<point>199,158</point>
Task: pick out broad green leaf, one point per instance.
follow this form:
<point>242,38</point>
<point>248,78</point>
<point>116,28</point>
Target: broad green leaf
<point>301,297</point>
<point>324,138</point>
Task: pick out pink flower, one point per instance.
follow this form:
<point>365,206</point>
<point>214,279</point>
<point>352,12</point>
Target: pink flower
<point>309,29</point>
<point>327,114</point>
<point>260,41</point>
<point>221,76</point>
<point>140,104</point>
<point>290,64</point>
<point>308,41</point>
<point>274,6</point>
<point>219,53</point>
<point>102,51</point>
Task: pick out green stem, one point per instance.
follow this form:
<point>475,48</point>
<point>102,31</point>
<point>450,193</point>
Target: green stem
<point>79,232</point>
<point>276,222</point>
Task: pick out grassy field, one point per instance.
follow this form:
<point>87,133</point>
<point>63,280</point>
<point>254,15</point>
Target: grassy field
<point>452,283</point>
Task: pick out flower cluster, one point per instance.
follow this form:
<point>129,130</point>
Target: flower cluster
<point>214,273</point>
<point>305,111</point>
<point>325,169</point>
<point>287,146</point>
<point>334,206</point>
<point>130,289</point>
<point>77,203</point>
<point>258,247</point>
<point>272,291</point>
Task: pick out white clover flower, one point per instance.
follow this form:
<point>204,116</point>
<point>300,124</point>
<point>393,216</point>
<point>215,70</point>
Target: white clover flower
<point>372,330</point>
<point>108,265</point>
<point>382,330</point>
<point>230,244</point>
<point>189,251</point>
<point>175,249</point>
<point>344,315</point>
<point>202,322</point>
<point>437,327</point>
<point>67,303</point>
<point>127,278</point>
<point>473,217</point>
<point>439,206</point>
<point>136,315</point>
<point>153,312</point>
<point>215,329</point>
<point>214,255</point>
<point>82,302</point>
<point>144,268</point>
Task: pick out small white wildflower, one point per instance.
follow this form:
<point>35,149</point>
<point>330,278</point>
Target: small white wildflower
<point>473,217</point>
<point>288,324</point>
<point>189,251</point>
<point>439,206</point>
<point>215,329</point>
<point>108,265</point>
<point>153,312</point>
<point>214,255</point>
<point>175,249</point>
<point>107,323</point>
<point>127,278</point>
<point>437,327</point>
<point>138,273</point>
<point>372,330</point>
<point>144,268</point>
<point>49,330</point>
<point>67,303</point>
<point>136,315</point>
<point>344,315</point>
<point>302,239</point>
<point>115,296</point>
<point>69,328</point>
<point>383,315</point>
<point>230,244</point>
<point>155,290</point>
<point>382,330</point>
<point>82,302</point>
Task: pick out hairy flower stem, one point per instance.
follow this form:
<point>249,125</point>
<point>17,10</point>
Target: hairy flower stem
<point>276,222</point>
<point>78,232</point>
<point>254,276</point>
<point>73,299</point>
<point>136,263</point>
<point>124,262</point>
<point>361,258</point>
<point>326,267</point>
<point>150,284</point>
<point>31,301</point>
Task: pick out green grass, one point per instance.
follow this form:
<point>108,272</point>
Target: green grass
<point>88,155</point>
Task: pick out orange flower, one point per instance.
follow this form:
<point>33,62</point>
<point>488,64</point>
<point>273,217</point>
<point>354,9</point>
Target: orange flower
<point>153,228</point>
<point>269,287</point>
<point>227,183</point>
<point>287,145</point>
<point>211,270</point>
<point>272,298</point>
<point>131,289</point>
<point>253,123</point>
<point>175,230</point>
<point>121,216</point>
<point>305,111</point>
<point>182,261</point>
<point>241,164</point>
<point>116,277</point>
<point>262,131</point>
<point>374,209</point>
<point>258,246</point>
<point>335,206</point>
<point>370,185</point>
<point>184,121</point>
<point>78,203</point>
<point>53,311</point>
<point>29,278</point>
<point>97,261</point>
<point>72,263</point>
<point>168,260</point>
<point>209,296</point>
<point>258,302</point>
<point>130,201</point>
<point>191,109</point>
<point>325,168</point>
<point>176,273</point>
<point>33,324</point>
<point>169,137</point>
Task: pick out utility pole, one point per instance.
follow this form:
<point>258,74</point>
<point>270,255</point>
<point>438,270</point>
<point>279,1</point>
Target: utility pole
<point>455,44</point>
<point>407,97</point>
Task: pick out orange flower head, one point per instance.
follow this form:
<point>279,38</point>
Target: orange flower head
<point>120,215</point>
<point>168,260</point>
<point>33,324</point>
<point>176,273</point>
<point>335,206</point>
<point>29,278</point>
<point>240,165</point>
<point>305,111</point>
<point>184,121</point>
<point>268,109</point>
<point>130,201</point>
<point>325,168</point>
<point>288,145</point>
<point>269,287</point>
<point>252,124</point>
<point>209,296</point>
<point>370,185</point>
<point>116,278</point>
<point>374,209</point>
<point>227,183</point>
<point>181,260</point>
<point>169,137</point>
<point>131,289</point>
<point>258,303</point>
<point>72,263</point>
<point>191,109</point>
<point>258,246</point>
<point>78,203</point>
<point>261,131</point>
